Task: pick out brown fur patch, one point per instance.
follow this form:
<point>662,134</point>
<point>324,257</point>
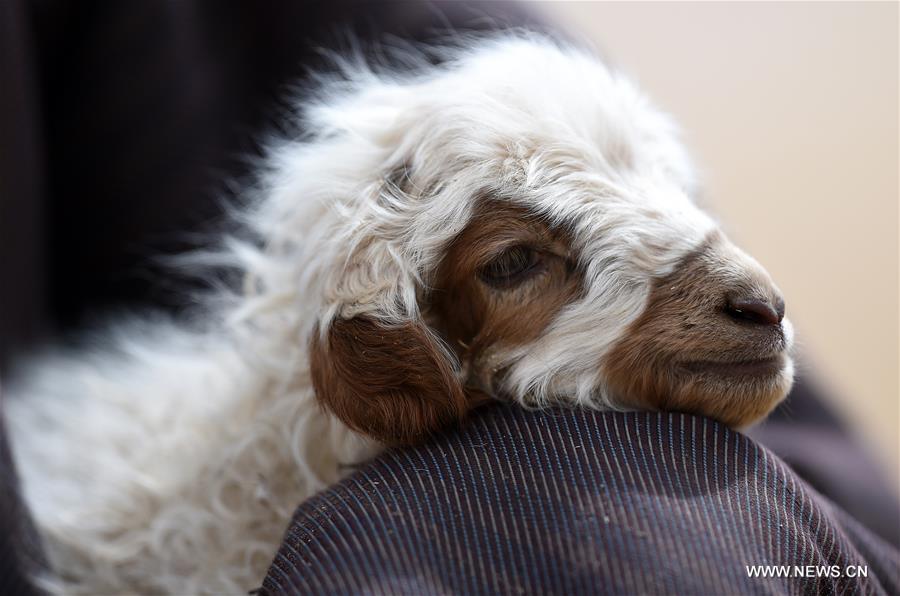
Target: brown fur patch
<point>685,354</point>
<point>476,319</point>
<point>393,383</point>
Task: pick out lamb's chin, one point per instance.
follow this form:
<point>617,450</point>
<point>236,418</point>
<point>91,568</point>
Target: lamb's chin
<point>735,392</point>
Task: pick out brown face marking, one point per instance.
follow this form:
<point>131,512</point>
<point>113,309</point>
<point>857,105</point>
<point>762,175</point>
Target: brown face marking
<point>685,354</point>
<point>477,317</point>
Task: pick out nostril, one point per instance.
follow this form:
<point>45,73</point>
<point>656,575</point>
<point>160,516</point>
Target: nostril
<point>779,308</point>
<point>753,310</point>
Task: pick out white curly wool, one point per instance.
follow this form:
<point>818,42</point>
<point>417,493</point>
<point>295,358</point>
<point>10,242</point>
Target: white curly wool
<point>171,457</point>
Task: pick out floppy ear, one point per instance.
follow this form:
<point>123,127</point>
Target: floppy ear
<point>393,382</point>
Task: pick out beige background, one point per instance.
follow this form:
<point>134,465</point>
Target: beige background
<point>791,110</point>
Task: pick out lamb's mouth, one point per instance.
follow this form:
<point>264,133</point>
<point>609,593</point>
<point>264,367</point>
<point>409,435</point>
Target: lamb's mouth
<point>750,368</point>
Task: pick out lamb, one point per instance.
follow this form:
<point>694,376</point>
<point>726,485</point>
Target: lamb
<point>514,224</point>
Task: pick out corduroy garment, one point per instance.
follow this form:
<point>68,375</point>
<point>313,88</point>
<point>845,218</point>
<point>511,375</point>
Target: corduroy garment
<point>569,501</point>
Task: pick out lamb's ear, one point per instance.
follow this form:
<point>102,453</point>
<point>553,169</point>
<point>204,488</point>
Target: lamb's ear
<point>392,382</point>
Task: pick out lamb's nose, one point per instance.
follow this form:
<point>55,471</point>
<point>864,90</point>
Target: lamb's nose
<point>754,310</point>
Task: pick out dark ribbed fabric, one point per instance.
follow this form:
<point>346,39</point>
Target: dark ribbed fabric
<point>576,502</point>
<point>827,454</point>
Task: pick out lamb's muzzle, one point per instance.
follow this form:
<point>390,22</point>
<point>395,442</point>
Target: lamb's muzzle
<point>712,340</point>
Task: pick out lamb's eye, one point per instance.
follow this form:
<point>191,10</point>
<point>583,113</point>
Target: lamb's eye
<point>514,265</point>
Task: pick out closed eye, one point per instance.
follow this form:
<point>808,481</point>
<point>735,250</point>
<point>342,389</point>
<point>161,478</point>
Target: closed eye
<point>511,267</point>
